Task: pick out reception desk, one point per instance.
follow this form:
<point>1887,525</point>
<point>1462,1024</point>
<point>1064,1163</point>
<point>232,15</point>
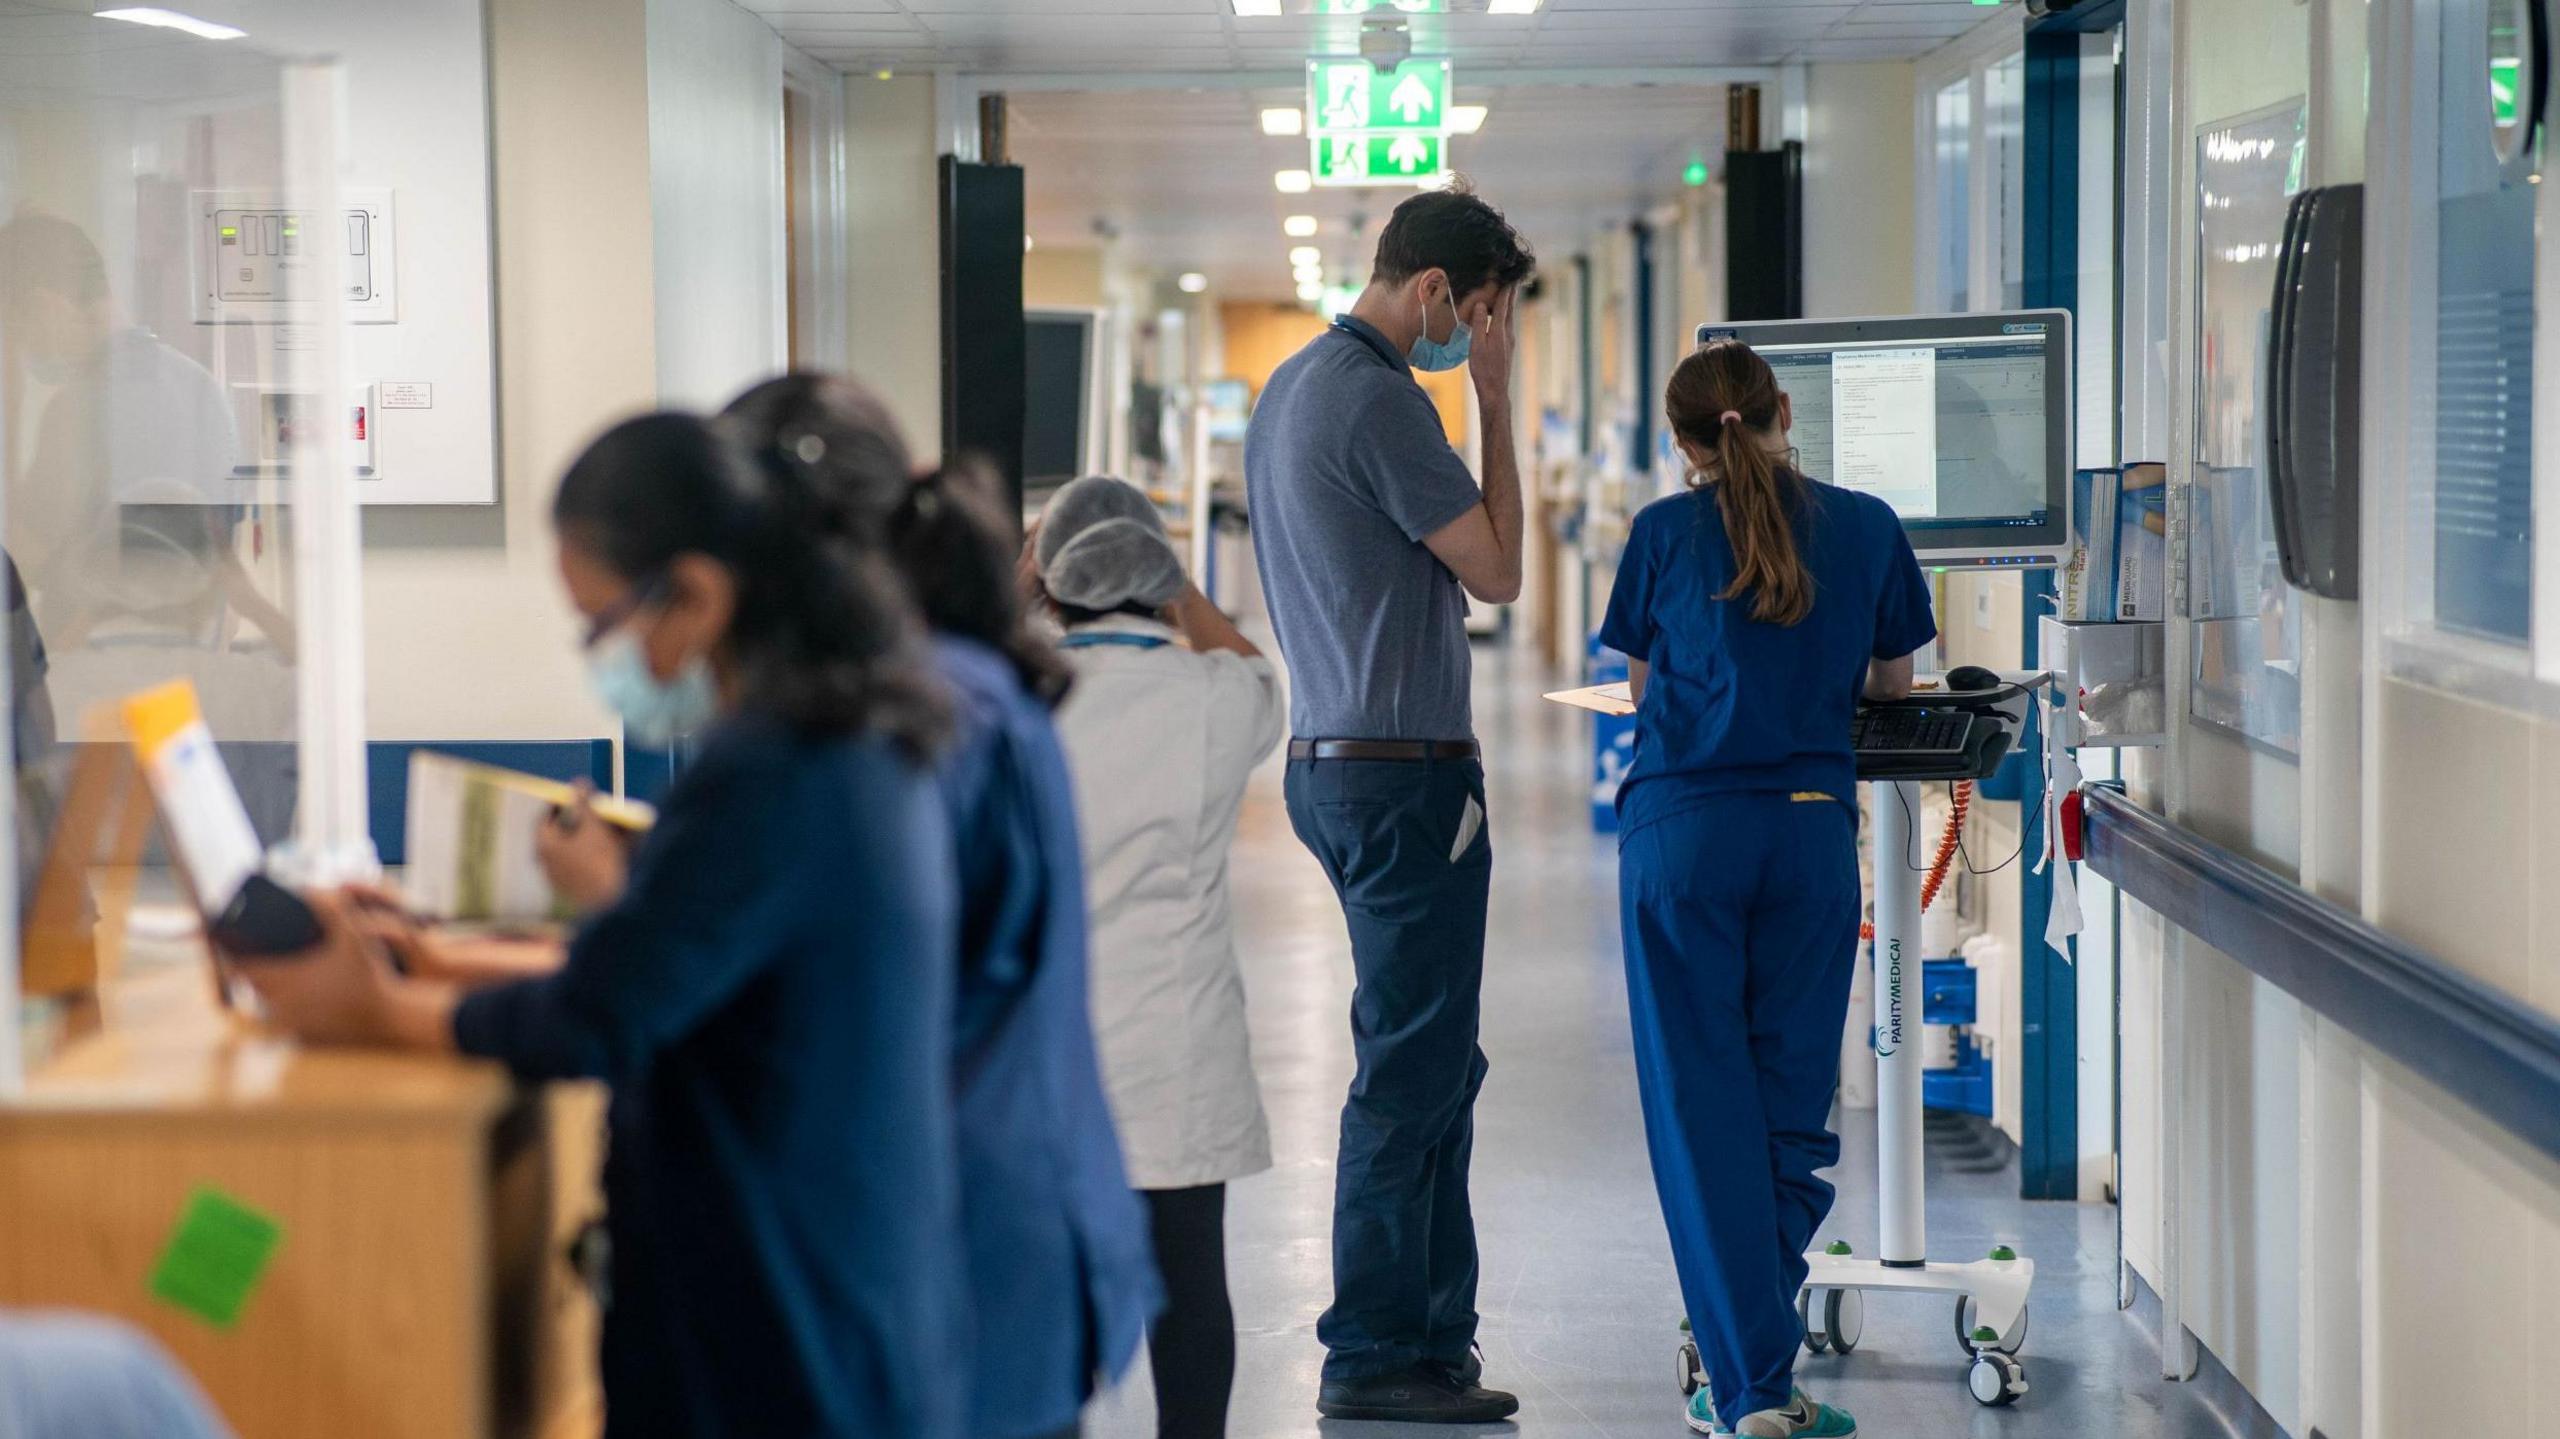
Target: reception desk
<point>418,1286</point>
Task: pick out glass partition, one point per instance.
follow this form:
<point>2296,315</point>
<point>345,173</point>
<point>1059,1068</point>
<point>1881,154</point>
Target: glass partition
<point>167,304</point>
<point>2247,629</point>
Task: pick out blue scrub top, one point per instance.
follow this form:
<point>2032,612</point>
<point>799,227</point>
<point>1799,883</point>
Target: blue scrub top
<point>1734,704</point>
<point>771,1002</point>
<point>1059,1262</point>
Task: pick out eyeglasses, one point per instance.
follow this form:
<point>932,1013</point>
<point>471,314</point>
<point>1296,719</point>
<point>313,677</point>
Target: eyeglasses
<point>619,613</point>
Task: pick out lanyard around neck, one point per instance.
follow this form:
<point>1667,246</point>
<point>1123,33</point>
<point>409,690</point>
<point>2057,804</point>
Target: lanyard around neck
<point>1135,642</point>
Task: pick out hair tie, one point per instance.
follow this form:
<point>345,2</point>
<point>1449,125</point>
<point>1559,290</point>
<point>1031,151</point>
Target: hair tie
<point>1732,417</point>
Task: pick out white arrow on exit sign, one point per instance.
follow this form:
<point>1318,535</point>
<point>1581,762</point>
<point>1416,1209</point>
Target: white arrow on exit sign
<point>1413,100</point>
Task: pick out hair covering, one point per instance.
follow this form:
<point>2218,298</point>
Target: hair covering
<point>1102,545</point>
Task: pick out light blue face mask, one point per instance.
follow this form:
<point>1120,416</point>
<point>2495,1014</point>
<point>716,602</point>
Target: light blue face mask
<point>1437,355</point>
<point>657,712</point>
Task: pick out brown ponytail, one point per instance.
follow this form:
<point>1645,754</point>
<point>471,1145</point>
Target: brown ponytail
<point>1723,400</point>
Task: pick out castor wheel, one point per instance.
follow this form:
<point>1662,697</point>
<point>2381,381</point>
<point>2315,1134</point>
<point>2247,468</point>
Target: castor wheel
<point>1844,1318</point>
<point>1968,1335</point>
<point>1693,1369</point>
<point>1995,1379</point>
<point>1817,1339</point>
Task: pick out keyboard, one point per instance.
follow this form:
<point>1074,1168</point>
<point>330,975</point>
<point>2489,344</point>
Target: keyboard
<point>1894,730</point>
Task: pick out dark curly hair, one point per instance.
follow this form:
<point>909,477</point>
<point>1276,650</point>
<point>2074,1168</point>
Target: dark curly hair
<point>947,530</point>
<point>825,638</point>
<point>1452,230</point>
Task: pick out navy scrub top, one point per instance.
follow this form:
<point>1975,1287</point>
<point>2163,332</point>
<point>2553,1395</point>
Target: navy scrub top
<point>1735,704</point>
<point>771,1003</point>
<point>1059,1262</point>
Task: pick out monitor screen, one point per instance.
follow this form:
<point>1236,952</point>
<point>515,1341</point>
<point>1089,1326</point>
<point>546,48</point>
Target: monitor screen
<point>1054,436</point>
<point>1961,423</point>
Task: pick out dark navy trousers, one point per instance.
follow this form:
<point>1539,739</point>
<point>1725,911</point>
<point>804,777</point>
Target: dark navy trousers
<point>1410,855</point>
<point>1740,921</point>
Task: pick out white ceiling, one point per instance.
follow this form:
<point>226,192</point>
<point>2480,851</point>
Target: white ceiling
<point>1195,35</point>
<point>1182,177</point>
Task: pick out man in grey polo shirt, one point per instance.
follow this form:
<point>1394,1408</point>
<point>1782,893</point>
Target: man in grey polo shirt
<point>1370,534</point>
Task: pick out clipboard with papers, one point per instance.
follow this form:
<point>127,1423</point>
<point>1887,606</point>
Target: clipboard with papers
<point>1610,699</point>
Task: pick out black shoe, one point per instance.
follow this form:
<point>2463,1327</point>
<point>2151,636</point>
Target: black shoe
<point>1422,1394</point>
<point>1468,1370</point>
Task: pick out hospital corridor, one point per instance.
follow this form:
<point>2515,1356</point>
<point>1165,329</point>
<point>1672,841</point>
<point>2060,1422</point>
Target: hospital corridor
<point>1279,719</point>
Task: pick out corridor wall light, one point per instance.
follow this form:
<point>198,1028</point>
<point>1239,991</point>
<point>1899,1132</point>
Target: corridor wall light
<point>1192,283</point>
<point>1306,255</point>
<point>1257,8</point>
<point>1285,120</point>
<point>172,20</point>
<point>1294,182</point>
<point>1467,119</point>
<point>1298,227</point>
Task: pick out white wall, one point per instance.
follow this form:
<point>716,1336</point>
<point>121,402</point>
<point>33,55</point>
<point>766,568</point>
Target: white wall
<point>715,162</point>
<point>892,175</point>
<point>466,633</point>
<point>1858,190</point>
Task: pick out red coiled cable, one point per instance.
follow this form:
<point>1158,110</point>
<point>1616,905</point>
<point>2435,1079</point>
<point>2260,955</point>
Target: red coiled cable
<point>1944,860</point>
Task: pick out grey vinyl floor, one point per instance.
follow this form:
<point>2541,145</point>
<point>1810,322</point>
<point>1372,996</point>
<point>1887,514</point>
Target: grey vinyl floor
<point>1580,1306</point>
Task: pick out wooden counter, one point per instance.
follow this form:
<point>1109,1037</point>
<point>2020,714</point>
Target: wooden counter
<point>420,1289</point>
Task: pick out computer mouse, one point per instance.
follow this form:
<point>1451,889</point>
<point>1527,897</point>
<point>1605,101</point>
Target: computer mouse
<point>1966,679</point>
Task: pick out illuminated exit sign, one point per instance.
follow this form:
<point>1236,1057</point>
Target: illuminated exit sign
<point>1349,96</point>
<point>1379,159</point>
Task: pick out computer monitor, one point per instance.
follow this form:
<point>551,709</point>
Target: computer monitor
<point>1063,422</point>
<point>1962,423</point>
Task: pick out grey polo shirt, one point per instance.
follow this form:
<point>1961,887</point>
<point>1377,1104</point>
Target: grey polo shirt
<point>1347,469</point>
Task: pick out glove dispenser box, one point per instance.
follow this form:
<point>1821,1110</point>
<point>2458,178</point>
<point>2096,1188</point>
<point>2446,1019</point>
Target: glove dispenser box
<point>2110,685</point>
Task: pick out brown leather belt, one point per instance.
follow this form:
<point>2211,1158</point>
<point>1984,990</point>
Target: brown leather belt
<point>1384,749</point>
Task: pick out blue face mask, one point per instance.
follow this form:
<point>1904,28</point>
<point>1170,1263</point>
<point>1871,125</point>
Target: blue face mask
<point>1437,355</point>
<point>657,712</point>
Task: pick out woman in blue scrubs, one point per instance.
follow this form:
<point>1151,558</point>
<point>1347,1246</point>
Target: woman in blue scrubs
<point>1754,610</point>
<point>1059,1264</point>
<point>769,996</point>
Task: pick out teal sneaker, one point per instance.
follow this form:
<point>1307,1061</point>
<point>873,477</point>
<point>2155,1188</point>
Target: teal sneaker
<point>1801,1419</point>
<point>1702,1413</point>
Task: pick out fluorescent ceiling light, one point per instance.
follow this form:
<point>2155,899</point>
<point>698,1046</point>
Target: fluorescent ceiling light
<point>1287,120</point>
<point>1305,273</point>
<point>1310,291</point>
<point>1026,244</point>
<point>1466,119</point>
<point>1294,182</point>
<point>172,20</point>
<point>1254,8</point>
<point>1193,283</point>
<point>1306,255</point>
<point>1298,227</point>
<point>1440,181</point>
<point>1511,7</point>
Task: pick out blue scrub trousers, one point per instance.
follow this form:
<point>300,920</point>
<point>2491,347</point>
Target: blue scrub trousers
<point>1394,837</point>
<point>1740,919</point>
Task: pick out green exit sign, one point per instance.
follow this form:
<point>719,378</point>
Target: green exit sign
<point>1379,159</point>
<point>1353,97</point>
<point>2506,90</point>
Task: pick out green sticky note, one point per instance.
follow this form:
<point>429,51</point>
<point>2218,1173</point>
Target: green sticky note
<point>216,1257</point>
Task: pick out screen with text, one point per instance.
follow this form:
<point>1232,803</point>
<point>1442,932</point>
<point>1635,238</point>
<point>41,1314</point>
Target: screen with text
<point>1948,432</point>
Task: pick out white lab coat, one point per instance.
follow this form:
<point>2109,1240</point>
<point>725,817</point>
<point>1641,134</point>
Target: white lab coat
<point>1161,741</point>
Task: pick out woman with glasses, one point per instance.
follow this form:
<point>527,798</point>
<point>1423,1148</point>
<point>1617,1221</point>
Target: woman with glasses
<point>768,992</point>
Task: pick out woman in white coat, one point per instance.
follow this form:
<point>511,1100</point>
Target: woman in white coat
<point>1171,710</point>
